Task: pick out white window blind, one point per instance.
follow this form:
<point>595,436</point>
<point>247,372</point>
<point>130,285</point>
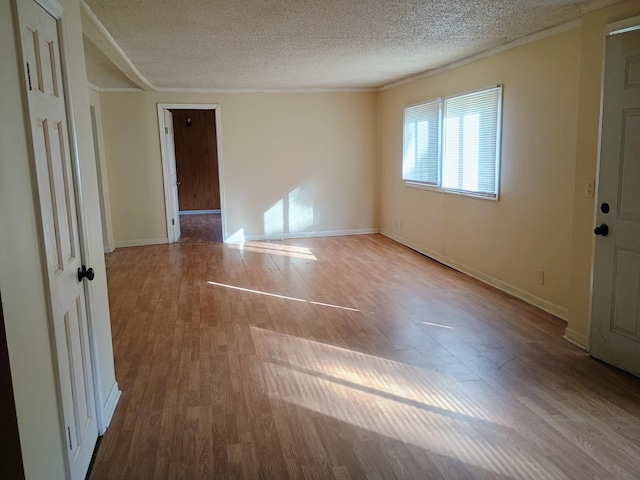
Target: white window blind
<point>471,150</point>
<point>421,150</point>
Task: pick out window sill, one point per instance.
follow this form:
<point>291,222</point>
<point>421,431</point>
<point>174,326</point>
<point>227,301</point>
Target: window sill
<point>434,188</point>
<point>422,186</point>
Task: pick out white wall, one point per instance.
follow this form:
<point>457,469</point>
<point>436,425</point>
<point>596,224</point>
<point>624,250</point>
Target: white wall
<point>292,163</point>
<point>21,272</point>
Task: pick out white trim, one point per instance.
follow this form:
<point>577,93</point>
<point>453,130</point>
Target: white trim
<point>97,34</point>
<point>422,186</point>
<point>110,248</point>
<point>623,26</point>
<point>117,89</point>
<point>109,407</point>
<point>52,7</point>
<point>141,242</point>
<point>597,5</point>
<point>165,167</point>
<point>570,335</point>
<point>85,246</point>
<point>487,53</point>
<point>326,233</point>
<point>166,181</point>
<point>268,90</point>
<point>113,89</point>
<point>189,106</point>
<point>199,212</point>
<point>576,338</point>
<point>549,307</point>
<point>221,182</point>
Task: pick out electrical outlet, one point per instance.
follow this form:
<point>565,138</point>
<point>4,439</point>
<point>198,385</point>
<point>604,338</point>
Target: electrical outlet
<point>590,189</point>
<point>540,277</point>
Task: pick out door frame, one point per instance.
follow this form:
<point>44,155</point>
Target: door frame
<point>55,9</point>
<point>613,28</point>
<point>168,194</point>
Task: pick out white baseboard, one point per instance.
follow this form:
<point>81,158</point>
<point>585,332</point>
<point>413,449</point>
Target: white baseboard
<point>110,248</point>
<point>326,233</point>
<point>198,212</point>
<point>549,307</point>
<point>140,243</point>
<point>110,406</point>
<point>577,339</point>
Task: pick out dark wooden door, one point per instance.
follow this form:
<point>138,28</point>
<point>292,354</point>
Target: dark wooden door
<point>196,159</point>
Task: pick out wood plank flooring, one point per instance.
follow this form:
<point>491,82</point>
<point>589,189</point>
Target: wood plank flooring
<point>200,228</point>
<point>348,358</point>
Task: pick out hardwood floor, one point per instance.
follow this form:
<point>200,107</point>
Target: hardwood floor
<point>201,228</point>
<point>348,358</point>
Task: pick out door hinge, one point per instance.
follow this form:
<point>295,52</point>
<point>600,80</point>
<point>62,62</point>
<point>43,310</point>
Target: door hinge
<point>29,76</point>
<point>166,130</point>
<point>70,444</point>
<point>173,222</point>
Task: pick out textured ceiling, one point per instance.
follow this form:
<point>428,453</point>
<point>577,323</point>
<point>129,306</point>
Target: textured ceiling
<point>307,44</point>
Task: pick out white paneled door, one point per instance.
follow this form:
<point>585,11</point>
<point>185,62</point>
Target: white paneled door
<point>54,168</point>
<point>615,315</point>
<point>173,175</point>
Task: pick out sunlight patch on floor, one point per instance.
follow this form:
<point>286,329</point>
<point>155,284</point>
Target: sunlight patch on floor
<point>284,297</point>
<point>274,249</point>
<point>437,325</point>
<point>414,405</point>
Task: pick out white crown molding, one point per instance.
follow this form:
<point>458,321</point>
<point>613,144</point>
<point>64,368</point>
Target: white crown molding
<point>112,89</point>
<point>597,5</point>
<point>119,90</point>
<point>97,34</point>
<point>487,53</point>
<point>267,90</point>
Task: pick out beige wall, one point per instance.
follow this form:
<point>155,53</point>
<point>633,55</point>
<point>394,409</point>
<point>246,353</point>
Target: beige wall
<point>21,274</point>
<point>318,145</point>
<point>529,228</point>
<point>550,149</point>
<point>103,176</point>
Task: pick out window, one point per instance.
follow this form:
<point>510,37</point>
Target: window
<point>454,145</point>
<point>422,143</point>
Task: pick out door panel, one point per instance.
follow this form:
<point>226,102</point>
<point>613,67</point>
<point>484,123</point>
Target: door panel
<point>57,202</point>
<point>197,159</point>
<point>615,320</point>
<point>173,174</point>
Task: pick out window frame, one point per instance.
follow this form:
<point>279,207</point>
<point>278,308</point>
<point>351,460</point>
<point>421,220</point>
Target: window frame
<point>417,183</point>
<point>441,146</point>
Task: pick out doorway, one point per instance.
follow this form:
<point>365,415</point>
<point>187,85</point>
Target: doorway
<point>615,314</point>
<point>193,174</point>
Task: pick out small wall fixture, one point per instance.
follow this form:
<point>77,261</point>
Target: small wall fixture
<point>188,123</point>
